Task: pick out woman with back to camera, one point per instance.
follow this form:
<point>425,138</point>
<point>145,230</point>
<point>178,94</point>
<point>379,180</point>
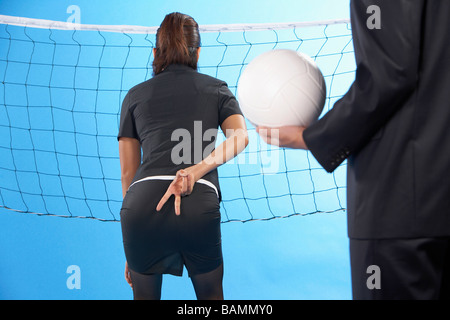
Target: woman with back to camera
<point>171,117</point>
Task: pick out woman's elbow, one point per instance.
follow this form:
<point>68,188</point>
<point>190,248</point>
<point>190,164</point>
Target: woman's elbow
<point>242,135</point>
<point>127,175</point>
<point>243,141</point>
<point>246,141</point>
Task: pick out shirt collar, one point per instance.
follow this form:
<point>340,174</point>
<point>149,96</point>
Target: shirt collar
<point>178,67</point>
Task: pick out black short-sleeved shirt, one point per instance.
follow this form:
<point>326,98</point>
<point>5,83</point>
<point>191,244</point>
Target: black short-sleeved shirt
<point>175,116</point>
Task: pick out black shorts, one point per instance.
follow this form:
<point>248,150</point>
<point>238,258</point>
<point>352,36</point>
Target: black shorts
<point>162,242</point>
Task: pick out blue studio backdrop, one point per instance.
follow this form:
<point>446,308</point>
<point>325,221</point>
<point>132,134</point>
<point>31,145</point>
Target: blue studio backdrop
<point>48,257</point>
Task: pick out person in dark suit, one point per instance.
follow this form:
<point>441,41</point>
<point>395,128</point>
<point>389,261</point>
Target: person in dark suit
<point>393,126</point>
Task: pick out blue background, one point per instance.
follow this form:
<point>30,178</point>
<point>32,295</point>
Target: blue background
<point>302,257</point>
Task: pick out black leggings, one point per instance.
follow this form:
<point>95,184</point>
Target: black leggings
<point>207,286</point>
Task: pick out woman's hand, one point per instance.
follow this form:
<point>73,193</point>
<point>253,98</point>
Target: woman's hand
<point>127,275</point>
<point>182,185</point>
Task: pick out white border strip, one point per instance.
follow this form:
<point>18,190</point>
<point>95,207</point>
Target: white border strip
<point>50,24</point>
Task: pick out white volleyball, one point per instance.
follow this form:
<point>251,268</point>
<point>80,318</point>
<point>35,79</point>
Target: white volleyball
<point>280,88</point>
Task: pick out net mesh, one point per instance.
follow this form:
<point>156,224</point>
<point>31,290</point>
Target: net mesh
<point>60,98</point>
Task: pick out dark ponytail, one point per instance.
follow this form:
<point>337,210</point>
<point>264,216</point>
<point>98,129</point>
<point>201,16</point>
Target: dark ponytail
<point>177,41</point>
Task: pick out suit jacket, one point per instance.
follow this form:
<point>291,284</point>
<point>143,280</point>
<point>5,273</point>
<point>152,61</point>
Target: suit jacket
<point>393,124</point>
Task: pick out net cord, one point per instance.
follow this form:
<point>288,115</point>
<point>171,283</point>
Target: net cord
<point>60,25</point>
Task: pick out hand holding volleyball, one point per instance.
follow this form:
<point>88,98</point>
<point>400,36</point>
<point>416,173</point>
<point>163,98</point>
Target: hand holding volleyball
<point>285,137</point>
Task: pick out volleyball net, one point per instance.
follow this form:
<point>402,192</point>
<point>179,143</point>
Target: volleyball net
<point>61,90</point>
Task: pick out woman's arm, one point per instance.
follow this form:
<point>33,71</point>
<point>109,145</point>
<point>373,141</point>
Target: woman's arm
<point>130,159</point>
<point>235,131</point>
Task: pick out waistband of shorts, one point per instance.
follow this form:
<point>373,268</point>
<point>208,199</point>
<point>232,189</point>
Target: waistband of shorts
<point>171,177</point>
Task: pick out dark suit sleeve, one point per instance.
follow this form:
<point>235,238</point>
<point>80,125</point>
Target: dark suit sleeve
<point>387,64</point>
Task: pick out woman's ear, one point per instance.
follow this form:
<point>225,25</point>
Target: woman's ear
<point>154,52</point>
<point>198,53</point>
